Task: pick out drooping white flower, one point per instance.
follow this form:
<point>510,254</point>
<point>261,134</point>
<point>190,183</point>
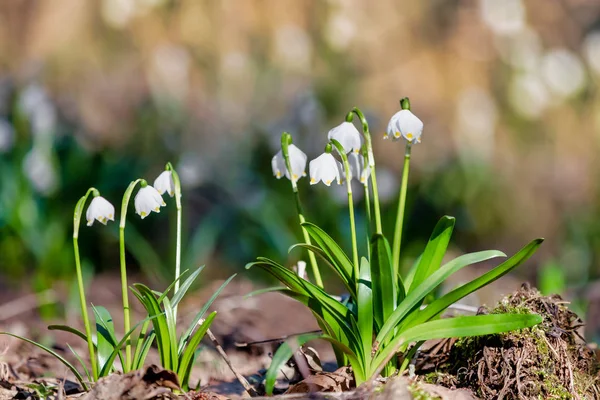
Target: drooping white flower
<point>348,136</point>
<point>297,163</point>
<point>164,183</point>
<point>147,200</point>
<point>100,209</point>
<point>405,124</point>
<point>325,168</point>
<point>359,170</point>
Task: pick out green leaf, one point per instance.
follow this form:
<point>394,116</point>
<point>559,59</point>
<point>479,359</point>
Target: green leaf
<point>172,327</point>
<point>201,313</point>
<point>149,301</point>
<point>187,357</point>
<point>384,282</point>
<point>106,337</point>
<point>434,280</point>
<point>265,290</point>
<point>434,251</point>
<point>85,369</point>
<point>185,286</point>
<point>55,354</point>
<point>458,327</point>
<point>340,271</point>
<point>337,256</point>
<point>66,328</point>
<point>285,351</point>
<point>365,309</point>
<point>440,305</point>
<point>357,367</point>
<point>106,370</point>
<point>162,295</point>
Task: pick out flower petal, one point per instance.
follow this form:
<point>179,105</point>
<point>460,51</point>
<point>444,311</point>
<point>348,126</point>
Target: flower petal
<point>347,135</point>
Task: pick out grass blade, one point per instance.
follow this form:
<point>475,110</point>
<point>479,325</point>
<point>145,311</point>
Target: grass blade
<point>282,355</point>
<point>201,313</point>
<point>384,282</point>
<point>365,309</point>
<point>55,354</point>
<point>331,248</point>
<point>418,294</point>
<point>187,356</point>
<point>476,325</point>
<point>66,328</point>
<point>438,306</point>
<point>434,251</point>
<point>185,287</point>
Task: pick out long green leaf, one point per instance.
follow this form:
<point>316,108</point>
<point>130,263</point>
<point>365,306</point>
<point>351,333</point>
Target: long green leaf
<point>55,354</point>
<point>185,286</point>
<point>85,368</point>
<point>340,271</point>
<point>357,367</point>
<point>331,248</point>
<point>187,356</point>
<point>365,310</point>
<point>119,346</point>
<point>434,251</point>
<point>201,313</point>
<point>106,337</point>
<point>434,280</point>
<point>285,351</point>
<point>172,327</point>
<point>458,327</point>
<point>440,305</point>
<point>66,328</point>
<point>149,301</point>
<point>138,361</point>
<point>384,282</point>
<point>162,295</point>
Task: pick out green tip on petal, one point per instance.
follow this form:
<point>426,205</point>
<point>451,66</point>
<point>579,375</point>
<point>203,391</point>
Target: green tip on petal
<point>405,103</point>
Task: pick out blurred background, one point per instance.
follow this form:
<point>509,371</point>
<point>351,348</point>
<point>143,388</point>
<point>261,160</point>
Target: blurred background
<point>101,92</point>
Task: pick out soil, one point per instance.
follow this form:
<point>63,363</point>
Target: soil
<point>250,328</point>
<point>548,361</point>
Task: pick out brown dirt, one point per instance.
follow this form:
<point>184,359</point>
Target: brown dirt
<point>548,361</point>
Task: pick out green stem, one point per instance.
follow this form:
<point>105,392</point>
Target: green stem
<point>400,214</point>
<point>342,153</point>
<point>286,140</point>
<point>371,162</point>
<point>83,302</point>
<point>126,310</point>
<point>177,183</point>
<point>368,213</point>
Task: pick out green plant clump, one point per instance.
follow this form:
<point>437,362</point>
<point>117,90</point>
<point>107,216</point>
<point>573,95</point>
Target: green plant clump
<point>372,328</point>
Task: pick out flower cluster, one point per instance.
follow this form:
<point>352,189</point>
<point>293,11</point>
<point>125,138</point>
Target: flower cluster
<point>327,169</point>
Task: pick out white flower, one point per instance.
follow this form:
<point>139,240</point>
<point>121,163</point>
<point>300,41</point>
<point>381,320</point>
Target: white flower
<point>357,168</point>
<point>348,136</point>
<point>165,183</point>
<point>325,168</point>
<point>100,209</point>
<point>297,162</point>
<point>147,200</point>
<point>404,123</point>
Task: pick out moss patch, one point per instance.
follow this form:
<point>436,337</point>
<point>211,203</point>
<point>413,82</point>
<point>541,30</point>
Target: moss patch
<point>548,361</point>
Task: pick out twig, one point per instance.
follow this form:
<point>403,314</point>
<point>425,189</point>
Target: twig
<point>279,339</point>
<point>249,389</point>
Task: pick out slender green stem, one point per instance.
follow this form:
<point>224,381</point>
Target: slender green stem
<point>311,255</point>
<point>342,153</point>
<point>400,214</point>
<point>124,292</point>
<point>286,140</point>
<point>371,162</point>
<point>368,213</point>
<point>83,302</point>
<point>177,184</point>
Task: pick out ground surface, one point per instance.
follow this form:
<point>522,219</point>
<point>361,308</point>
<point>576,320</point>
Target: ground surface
<point>245,327</point>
